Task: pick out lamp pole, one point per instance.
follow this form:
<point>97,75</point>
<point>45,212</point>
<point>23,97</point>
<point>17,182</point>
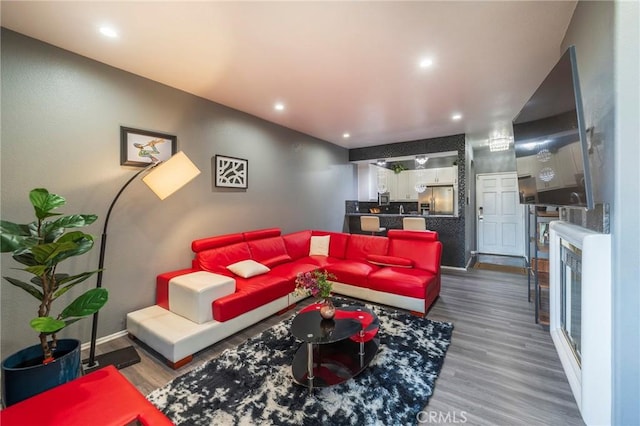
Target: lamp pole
<point>114,358</point>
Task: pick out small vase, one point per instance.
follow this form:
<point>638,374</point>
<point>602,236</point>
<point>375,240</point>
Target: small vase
<point>327,310</point>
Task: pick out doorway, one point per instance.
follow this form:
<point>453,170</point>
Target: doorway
<point>499,215</point>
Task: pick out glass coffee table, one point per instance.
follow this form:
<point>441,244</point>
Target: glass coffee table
<point>333,350</point>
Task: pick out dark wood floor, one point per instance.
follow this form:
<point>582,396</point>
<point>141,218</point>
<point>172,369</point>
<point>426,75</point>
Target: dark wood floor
<point>501,368</point>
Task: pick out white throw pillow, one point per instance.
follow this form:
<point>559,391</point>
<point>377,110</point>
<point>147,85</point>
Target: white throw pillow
<point>248,268</point>
<point>319,245</point>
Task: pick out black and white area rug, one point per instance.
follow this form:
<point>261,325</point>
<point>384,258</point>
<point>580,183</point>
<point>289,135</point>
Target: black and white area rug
<point>252,384</point>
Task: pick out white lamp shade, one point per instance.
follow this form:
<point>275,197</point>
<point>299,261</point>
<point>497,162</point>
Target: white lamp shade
<point>171,175</point>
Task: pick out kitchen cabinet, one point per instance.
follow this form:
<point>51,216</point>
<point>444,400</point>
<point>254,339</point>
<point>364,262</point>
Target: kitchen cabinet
<point>376,177</point>
<point>406,183</point>
<point>401,186</point>
<point>392,182</point>
<point>439,176</point>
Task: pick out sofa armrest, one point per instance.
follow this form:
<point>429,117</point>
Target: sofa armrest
<point>380,260</point>
<point>162,285</point>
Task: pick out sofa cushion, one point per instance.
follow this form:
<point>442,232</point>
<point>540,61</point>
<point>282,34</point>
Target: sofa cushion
<point>269,251</point>
<point>319,245</point>
<point>251,294</point>
<point>381,260</point>
<point>290,270</point>
<point>410,282</point>
<point>351,272</point>
<point>359,246</point>
<point>248,268</point>
<point>297,244</point>
<point>337,243</point>
<point>321,261</point>
<point>217,259</point>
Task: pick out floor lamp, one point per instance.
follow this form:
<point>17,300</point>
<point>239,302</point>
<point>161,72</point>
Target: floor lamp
<point>164,178</point>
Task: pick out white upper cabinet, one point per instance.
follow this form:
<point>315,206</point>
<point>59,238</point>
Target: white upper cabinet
<point>406,189</point>
<point>380,179</point>
<point>439,176</point>
<point>447,175</point>
<point>401,186</point>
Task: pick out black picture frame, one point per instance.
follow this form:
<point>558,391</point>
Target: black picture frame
<point>139,148</point>
<point>231,172</point>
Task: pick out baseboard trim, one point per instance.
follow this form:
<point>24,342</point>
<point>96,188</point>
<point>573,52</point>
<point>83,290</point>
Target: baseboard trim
<point>453,268</point>
<point>104,339</point>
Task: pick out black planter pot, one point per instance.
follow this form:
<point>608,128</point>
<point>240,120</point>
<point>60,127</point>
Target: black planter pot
<point>24,375</point>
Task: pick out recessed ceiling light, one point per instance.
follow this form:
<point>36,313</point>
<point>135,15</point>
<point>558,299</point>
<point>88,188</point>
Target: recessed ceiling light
<point>426,63</point>
<point>279,106</point>
<point>456,116</point>
<point>108,32</point>
<point>346,135</point>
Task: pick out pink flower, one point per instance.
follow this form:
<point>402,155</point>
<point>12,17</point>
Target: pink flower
<point>315,283</point>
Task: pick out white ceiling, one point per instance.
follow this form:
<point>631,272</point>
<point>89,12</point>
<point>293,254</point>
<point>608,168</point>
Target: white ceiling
<point>336,66</point>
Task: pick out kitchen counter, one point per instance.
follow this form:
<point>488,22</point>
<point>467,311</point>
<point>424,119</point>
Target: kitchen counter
<point>401,215</point>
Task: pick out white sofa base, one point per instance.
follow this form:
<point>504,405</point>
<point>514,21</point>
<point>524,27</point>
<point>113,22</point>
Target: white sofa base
<point>176,338</point>
<point>390,299</point>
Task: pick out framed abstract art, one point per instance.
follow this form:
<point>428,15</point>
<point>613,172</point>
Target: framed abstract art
<point>231,172</point>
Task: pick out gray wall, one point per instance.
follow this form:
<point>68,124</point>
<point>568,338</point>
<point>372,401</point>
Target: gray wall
<point>592,30</point>
<point>486,161</point>
<point>61,115</point>
<point>607,45</point>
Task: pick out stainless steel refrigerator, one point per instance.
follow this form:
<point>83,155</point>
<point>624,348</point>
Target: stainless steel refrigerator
<point>437,200</point>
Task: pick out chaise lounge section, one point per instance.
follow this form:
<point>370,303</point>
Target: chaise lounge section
<point>236,280</point>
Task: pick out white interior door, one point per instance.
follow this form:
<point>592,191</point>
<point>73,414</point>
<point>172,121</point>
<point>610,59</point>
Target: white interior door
<point>499,215</point>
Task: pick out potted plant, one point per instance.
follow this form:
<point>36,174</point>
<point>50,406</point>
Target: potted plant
<point>397,168</point>
<point>317,284</point>
<point>41,246</point>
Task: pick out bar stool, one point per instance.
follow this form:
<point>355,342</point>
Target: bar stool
<point>414,224</point>
<point>371,224</point>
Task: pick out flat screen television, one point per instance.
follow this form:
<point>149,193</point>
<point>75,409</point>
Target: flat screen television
<point>550,141</point>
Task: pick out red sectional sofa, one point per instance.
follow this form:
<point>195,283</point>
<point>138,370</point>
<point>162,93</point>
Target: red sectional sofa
<point>103,397</point>
<point>402,270</point>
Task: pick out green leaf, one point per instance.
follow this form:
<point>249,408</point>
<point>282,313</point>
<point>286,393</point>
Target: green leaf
<point>72,221</point>
<point>43,202</point>
<point>54,229</point>
<point>13,236</point>
<point>68,283</point>
<point>68,322</point>
<point>60,278</point>
<point>37,270</point>
<point>26,287</point>
<point>25,257</point>
<point>87,304</point>
<point>70,244</point>
<point>47,325</point>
